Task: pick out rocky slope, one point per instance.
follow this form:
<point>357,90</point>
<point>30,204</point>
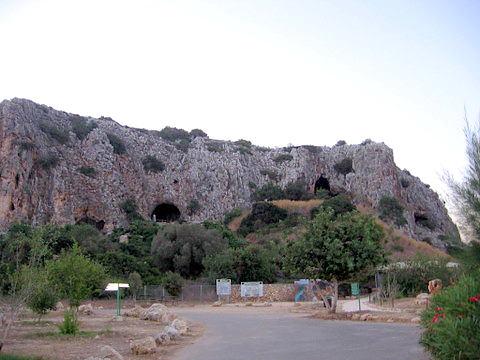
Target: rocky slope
<point>65,168</point>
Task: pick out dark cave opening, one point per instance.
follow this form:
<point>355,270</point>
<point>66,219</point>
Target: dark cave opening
<point>322,184</point>
<point>165,212</point>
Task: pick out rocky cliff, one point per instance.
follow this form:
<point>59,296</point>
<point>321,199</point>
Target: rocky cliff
<point>65,168</point>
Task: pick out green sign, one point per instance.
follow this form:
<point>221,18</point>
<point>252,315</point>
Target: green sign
<point>355,289</point>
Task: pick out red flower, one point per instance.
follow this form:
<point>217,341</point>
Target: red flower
<point>439,308</point>
<point>473,298</point>
<point>435,319</point>
<point>478,297</point>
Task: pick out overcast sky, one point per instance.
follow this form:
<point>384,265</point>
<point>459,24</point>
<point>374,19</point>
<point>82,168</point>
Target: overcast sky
<point>274,72</point>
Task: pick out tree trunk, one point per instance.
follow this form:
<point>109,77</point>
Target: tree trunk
<point>335,296</point>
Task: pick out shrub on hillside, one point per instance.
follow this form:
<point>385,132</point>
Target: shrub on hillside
<point>87,171</point>
<point>81,127</point>
<point>229,216</point>
<point>48,161</point>
<point>391,210</point>
<point>344,167</point>
<point>268,192</point>
<point>117,143</point>
<point>173,134</point>
<point>262,214</point>
<point>60,135</point>
<point>297,191</point>
<point>198,133</point>
<point>283,157</point>
<point>151,163</point>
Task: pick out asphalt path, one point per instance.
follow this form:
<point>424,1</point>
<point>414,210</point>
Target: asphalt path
<point>287,336</point>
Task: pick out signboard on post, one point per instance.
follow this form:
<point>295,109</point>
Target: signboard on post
<point>224,287</point>
<point>251,289</point>
<point>356,292</point>
<point>117,287</point>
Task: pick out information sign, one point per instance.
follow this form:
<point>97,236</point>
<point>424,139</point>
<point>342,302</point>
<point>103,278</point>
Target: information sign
<point>224,287</point>
<point>355,289</point>
<point>251,289</point>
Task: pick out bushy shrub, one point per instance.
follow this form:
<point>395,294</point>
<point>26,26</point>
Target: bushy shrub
<point>214,147</point>
<point>244,143</point>
<point>313,149</point>
<point>173,283</point>
<point>117,143</point>
<point>70,324</point>
<point>391,210</point>
<point>268,192</point>
<point>183,145</point>
<point>81,127</point>
<point>151,163</point>
<point>297,191</point>
<point>229,216</point>
<point>193,206</point>
<point>87,171</point>
<point>283,157</point>
<point>341,143</point>
<point>62,136</point>
<point>198,133</point>
<point>344,167</point>
<point>48,161</point>
<point>366,142</point>
<point>262,214</point>
<point>340,204</point>
<point>129,207</point>
<point>173,134</point>
<point>452,321</point>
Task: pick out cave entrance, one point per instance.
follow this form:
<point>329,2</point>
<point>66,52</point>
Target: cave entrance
<point>165,212</point>
<point>322,184</point>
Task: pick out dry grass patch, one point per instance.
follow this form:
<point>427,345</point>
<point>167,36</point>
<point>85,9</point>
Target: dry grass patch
<point>300,207</point>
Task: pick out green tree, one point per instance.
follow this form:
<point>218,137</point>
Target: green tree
<point>465,194</point>
<point>74,276</point>
<point>337,248</point>
<point>173,283</point>
<point>181,248</point>
<point>249,263</point>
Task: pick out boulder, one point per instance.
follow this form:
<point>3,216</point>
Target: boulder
<point>86,309</point>
<point>137,311</point>
<point>180,325</point>
<point>108,352</point>
<point>143,346</point>
<point>168,334</point>
<point>158,312</point>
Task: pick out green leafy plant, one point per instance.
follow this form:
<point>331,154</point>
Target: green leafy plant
<point>81,127</point>
<point>193,206</point>
<point>48,161</point>
<point>151,163</point>
<point>117,143</point>
<point>229,216</point>
<point>173,283</point>
<point>452,321</point>
<point>272,175</point>
<point>268,192</point>
<point>173,134</point>
<point>344,167</point>
<point>62,136</point>
<point>262,214</point>
<point>129,207</point>
<point>27,145</point>
<point>341,143</point>
<point>198,133</point>
<point>70,324</point>
<point>282,158</point>
<point>87,171</point>
<point>391,210</point>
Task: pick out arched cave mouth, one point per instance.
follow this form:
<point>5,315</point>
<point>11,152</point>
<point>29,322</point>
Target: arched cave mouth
<point>86,220</point>
<point>166,212</point>
<point>322,184</point>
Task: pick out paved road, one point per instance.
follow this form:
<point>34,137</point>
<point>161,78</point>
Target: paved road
<point>284,336</point>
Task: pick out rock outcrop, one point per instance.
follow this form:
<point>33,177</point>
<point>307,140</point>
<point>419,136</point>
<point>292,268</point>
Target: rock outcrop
<point>65,168</point>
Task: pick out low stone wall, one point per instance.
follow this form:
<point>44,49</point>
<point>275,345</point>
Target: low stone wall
<point>271,293</point>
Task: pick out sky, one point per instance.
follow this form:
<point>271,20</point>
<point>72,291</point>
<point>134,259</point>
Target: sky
<point>274,72</point>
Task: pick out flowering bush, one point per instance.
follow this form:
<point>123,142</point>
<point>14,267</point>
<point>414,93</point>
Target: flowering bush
<point>452,321</point>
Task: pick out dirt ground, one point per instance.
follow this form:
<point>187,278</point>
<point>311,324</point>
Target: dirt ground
<point>26,337</point>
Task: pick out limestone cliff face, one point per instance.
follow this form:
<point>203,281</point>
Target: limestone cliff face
<point>51,172</point>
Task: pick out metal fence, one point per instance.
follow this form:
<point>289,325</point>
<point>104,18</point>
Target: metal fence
<point>191,292</point>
